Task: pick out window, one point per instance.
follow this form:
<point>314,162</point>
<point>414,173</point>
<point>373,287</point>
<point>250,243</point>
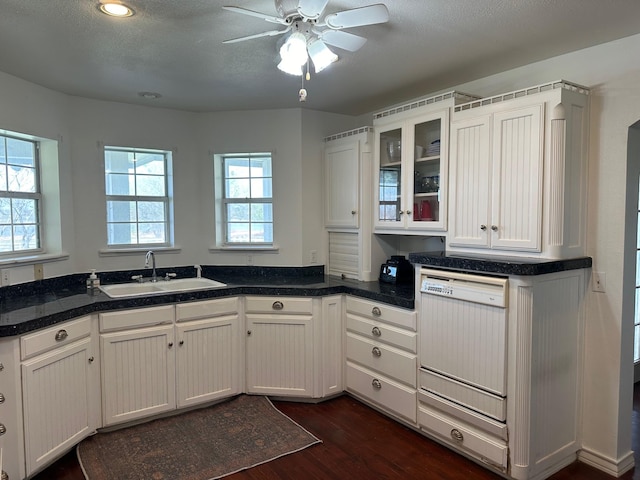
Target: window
<point>138,191</point>
<point>20,196</point>
<point>247,199</point>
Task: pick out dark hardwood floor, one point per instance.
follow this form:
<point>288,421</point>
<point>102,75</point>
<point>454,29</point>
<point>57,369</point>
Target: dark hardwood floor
<point>359,442</point>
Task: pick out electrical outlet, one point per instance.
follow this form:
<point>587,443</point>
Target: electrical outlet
<point>599,282</point>
<point>5,278</point>
<point>249,259</point>
<point>38,271</point>
<point>314,256</point>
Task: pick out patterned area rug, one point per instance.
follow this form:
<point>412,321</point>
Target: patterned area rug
<point>199,445</point>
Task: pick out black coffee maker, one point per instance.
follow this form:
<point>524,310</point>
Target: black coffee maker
<point>397,270</point>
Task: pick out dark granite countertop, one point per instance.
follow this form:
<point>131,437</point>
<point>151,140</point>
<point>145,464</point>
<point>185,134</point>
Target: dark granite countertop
<point>502,265</point>
<point>28,307</point>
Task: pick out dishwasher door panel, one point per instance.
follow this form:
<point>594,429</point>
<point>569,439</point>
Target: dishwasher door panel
<point>465,341</point>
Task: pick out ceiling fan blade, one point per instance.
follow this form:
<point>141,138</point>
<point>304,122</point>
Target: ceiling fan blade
<point>271,33</point>
<point>311,9</point>
<point>343,40</point>
<point>358,17</point>
<point>251,13</point>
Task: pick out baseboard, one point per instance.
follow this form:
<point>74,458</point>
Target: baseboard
<point>614,467</point>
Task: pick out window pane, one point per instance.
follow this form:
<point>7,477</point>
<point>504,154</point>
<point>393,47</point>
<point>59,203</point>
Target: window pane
<point>3,177</point>
<point>118,162</point>
<point>5,211</point>
<point>121,211</point>
<point>119,184</point>
<point>151,232</point>
<point>236,167</point>
<point>121,234</point>
<point>261,167</point>
<point>151,212</point>
<point>21,152</point>
<point>24,211</point>
<point>636,344</point>
<point>261,212</point>
<point>6,239</point>
<point>238,212</point>
<point>25,237</point>
<point>261,232</point>
<point>3,149</point>
<point>238,232</point>
<point>149,164</point>
<point>150,186</point>
<point>237,188</point>
<point>261,188</point>
<point>21,179</point>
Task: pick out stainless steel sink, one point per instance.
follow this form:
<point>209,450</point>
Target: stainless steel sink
<point>136,289</point>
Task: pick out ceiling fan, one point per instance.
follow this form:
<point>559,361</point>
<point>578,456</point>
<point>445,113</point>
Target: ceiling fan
<point>309,32</point>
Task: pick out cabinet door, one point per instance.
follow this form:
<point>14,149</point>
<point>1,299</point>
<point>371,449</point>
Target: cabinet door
<point>138,373</point>
<point>517,175</point>
<point>59,399</point>
<point>388,189</point>
<point>208,359</point>
<point>470,182</point>
<point>280,355</point>
<point>341,167</point>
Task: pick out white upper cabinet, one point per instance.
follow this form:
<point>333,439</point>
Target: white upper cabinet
<point>411,166</point>
<point>342,169</point>
<point>517,180</point>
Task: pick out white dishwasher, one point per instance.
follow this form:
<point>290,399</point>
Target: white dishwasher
<point>463,339</point>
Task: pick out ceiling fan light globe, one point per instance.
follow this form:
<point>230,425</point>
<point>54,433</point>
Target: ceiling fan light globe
<point>294,50</point>
<point>321,55</point>
<point>290,68</point>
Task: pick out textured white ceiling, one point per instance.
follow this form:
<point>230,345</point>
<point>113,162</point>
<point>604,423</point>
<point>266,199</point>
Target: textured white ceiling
<point>174,47</point>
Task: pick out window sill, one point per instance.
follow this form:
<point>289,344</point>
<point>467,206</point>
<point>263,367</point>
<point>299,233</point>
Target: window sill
<point>245,248</point>
<point>110,252</point>
<point>32,259</point>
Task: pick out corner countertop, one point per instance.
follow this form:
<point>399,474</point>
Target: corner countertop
<point>502,265</point>
<point>29,307</point>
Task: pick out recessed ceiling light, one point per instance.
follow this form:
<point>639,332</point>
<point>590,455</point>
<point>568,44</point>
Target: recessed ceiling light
<point>116,9</point>
<point>150,95</point>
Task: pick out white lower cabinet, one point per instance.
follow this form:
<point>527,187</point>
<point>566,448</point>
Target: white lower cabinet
<point>60,388</point>
<point>381,346</point>
<point>280,346</point>
<point>150,365</point>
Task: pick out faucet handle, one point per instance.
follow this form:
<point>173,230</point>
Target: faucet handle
<point>198,271</point>
<point>169,276</point>
<point>137,277</point>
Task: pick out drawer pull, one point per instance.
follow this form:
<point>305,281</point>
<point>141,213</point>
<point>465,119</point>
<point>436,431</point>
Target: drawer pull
<point>170,344</point>
<point>277,305</point>
<point>4,476</point>
<point>376,352</point>
<point>91,359</point>
<point>375,383</point>
<point>61,335</point>
<point>376,332</point>
<point>1,367</point>
<point>376,312</point>
<point>2,399</point>
<point>181,342</point>
<point>456,435</point>
<point>3,429</point>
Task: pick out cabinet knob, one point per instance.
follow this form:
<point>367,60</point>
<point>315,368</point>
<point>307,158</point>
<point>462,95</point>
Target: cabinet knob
<point>408,212</point>
<point>456,435</point>
<point>377,384</point>
<point>181,342</point>
<point>1,367</point>
<point>61,335</point>
<point>353,212</point>
<point>4,476</point>
<point>91,359</point>
<point>2,398</point>
<point>248,332</point>
<point>376,312</point>
<point>376,332</point>
<point>483,227</point>
<point>376,352</point>
<point>494,228</point>
<point>3,429</point>
<point>170,344</point>
<point>277,305</point>
<point>401,212</point>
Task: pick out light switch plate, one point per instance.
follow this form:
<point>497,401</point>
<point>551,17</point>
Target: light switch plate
<point>599,282</point>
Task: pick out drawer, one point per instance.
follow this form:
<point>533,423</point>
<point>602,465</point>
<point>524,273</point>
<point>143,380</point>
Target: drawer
<point>481,401</point>
<point>141,317</point>
<point>381,311</point>
<point>390,361</point>
<point>464,437</point>
<point>388,334</point>
<point>279,305</point>
<point>53,337</point>
<point>207,309</point>
<point>382,391</point>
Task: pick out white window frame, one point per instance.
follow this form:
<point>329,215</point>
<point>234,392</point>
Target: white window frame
<point>222,201</point>
<point>37,196</point>
<point>166,199</point>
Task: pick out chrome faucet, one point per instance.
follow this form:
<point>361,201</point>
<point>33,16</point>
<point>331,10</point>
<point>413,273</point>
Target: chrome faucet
<point>150,254</point>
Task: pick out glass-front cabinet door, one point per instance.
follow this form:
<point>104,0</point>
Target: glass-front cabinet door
<point>412,173</point>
